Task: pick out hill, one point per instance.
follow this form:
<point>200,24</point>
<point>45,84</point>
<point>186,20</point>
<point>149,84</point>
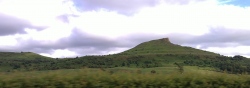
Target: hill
<point>156,63</point>
<point>164,46</point>
<point>151,54</point>
<point>23,61</point>
<point>21,55</point>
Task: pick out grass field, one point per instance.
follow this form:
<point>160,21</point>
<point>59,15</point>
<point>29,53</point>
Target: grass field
<point>165,77</point>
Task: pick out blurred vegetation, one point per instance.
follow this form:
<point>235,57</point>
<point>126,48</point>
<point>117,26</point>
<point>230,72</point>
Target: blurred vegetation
<point>123,78</point>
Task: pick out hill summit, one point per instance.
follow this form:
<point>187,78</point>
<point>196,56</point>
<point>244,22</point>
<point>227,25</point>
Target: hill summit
<point>164,46</point>
<point>165,40</point>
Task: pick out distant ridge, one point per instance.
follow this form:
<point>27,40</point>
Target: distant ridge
<point>163,46</point>
<point>21,55</point>
<point>158,46</point>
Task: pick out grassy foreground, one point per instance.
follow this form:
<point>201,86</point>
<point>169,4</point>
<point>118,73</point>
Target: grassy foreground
<point>110,78</point>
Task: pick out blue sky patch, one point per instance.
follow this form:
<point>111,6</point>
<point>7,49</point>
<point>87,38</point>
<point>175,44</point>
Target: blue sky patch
<point>242,3</point>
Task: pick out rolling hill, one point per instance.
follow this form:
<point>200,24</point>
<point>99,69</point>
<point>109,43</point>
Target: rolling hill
<point>164,46</point>
<point>156,63</point>
<point>22,61</point>
<point>21,55</point>
<point>150,54</point>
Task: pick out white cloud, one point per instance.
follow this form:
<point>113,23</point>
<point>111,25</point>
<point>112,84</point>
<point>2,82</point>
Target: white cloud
<point>39,12</point>
<point>231,51</point>
<point>195,18</point>
<point>9,41</point>
<point>53,33</point>
<point>61,53</point>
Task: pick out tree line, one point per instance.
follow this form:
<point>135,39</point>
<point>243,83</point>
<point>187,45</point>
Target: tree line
<point>236,65</point>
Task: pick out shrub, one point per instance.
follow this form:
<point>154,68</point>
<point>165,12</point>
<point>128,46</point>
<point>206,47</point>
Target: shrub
<point>153,71</point>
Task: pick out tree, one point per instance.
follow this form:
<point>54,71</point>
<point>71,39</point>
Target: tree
<point>180,67</point>
<point>153,71</point>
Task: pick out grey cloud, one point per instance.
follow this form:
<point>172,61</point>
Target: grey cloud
<point>77,41</point>
<point>65,17</point>
<point>127,7</point>
<point>121,6</point>
<point>29,46</point>
<point>175,38</point>
<point>181,2</point>
<point>222,37</point>
<point>12,25</point>
<point>135,39</point>
<point>85,44</point>
<point>90,50</point>
<point>216,37</point>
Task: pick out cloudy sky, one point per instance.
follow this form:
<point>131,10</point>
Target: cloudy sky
<point>69,28</point>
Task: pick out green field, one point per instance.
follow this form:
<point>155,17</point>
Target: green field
<point>193,77</point>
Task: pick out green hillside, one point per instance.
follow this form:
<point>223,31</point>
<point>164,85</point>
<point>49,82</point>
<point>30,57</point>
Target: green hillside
<point>10,61</point>
<point>164,46</point>
<point>151,54</point>
<point>21,55</point>
<point>153,64</point>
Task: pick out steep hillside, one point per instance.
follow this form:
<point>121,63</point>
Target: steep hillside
<point>164,46</point>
